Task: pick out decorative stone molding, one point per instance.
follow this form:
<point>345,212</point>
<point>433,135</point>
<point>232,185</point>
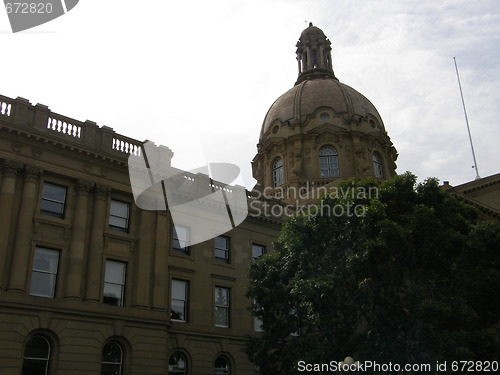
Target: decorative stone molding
<point>82,187</point>
<point>31,174</point>
<point>101,191</point>
<point>37,152</point>
<point>11,168</point>
<point>17,147</point>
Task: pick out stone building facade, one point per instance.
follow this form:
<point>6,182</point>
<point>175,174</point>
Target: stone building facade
<point>90,283</point>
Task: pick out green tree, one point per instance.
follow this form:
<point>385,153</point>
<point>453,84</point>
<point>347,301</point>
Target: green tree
<point>413,277</point>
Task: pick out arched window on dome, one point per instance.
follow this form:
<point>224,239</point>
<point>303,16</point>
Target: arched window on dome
<point>112,359</point>
<point>377,165</point>
<point>222,366</point>
<point>278,174</point>
<point>177,364</point>
<point>328,162</point>
<point>36,358</point>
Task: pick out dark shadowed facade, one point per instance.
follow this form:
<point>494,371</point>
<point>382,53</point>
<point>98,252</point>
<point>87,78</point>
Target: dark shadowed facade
<point>92,284</point>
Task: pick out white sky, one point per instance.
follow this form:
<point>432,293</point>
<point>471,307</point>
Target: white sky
<point>167,71</point>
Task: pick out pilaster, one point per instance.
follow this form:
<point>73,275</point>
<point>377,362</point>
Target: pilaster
<point>10,170</point>
<point>24,233</point>
<point>94,267</point>
<point>77,248</point>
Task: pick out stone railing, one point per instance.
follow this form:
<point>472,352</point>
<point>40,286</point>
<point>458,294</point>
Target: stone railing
<point>21,113</point>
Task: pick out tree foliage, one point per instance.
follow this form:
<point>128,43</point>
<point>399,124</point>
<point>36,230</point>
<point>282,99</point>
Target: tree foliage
<point>415,279</point>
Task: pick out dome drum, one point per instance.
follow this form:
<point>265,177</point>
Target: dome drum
<point>321,131</point>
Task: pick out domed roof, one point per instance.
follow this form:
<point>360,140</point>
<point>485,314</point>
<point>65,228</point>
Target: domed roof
<point>312,33</point>
<point>304,100</point>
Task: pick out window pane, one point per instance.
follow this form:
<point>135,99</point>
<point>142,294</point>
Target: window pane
<point>223,254</point>
<point>179,289</point>
<point>37,347</point>
<point>119,209</point>
<point>115,272</point>
<point>50,206</point>
<point>112,353</point>
<point>180,238</point>
<point>221,242</point>
<point>221,316</point>
<point>113,294</point>
<point>36,356</point>
<point>178,310</point>
<point>177,364</point>
<point>111,369</point>
<point>54,192</point>
<point>42,284</point>
<point>221,366</point>
<point>257,250</point>
<point>35,367</point>
<point>222,296</point>
<point>118,222</point>
<point>45,260</point>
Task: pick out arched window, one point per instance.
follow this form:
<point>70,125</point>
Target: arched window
<point>112,359</point>
<point>377,165</point>
<point>328,162</point>
<point>36,359</point>
<point>222,366</point>
<point>278,176</point>
<point>177,364</point>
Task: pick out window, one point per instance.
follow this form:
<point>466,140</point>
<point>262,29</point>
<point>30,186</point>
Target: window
<point>278,176</point>
<point>36,359</point>
<point>294,314</point>
<point>222,366</point>
<point>44,274</point>
<point>112,359</point>
<point>179,301</point>
<point>257,321</point>
<point>377,165</point>
<point>177,364</point>
<point>328,162</point>
<point>258,251</point>
<point>119,216</point>
<point>53,199</point>
<point>222,249</point>
<point>180,239</point>
<point>221,306</point>
<point>114,283</point>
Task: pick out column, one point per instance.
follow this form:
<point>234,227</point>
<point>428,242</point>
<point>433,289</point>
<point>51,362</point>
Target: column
<point>162,248</point>
<point>10,171</point>
<point>142,266</point>
<point>309,59</point>
<point>94,268</point>
<point>321,58</point>
<point>77,247</point>
<point>24,233</point>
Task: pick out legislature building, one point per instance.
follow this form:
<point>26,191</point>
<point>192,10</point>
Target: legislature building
<point>92,284</point>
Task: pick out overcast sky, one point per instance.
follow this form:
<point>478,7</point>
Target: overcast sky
<point>172,72</point>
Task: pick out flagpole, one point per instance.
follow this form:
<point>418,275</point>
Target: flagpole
<point>467,121</point>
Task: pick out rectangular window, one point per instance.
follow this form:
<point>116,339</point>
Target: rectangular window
<point>257,322</point>
<point>258,251</point>
<point>222,249</point>
<point>179,301</point>
<point>221,307</point>
<point>53,200</point>
<point>119,216</point>
<point>44,274</point>
<point>114,283</point>
<point>180,239</point>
